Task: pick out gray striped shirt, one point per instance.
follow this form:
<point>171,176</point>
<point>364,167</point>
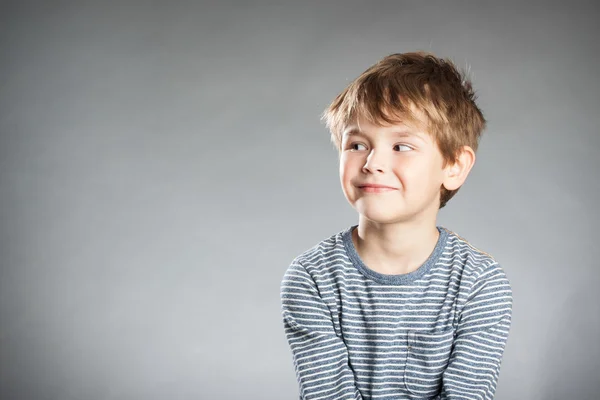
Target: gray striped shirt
<point>438,332</point>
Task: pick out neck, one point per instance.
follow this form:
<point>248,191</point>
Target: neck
<point>394,248</point>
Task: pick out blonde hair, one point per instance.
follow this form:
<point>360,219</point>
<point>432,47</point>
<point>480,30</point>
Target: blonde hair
<point>419,89</point>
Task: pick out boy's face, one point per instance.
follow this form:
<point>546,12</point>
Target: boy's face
<point>405,160</point>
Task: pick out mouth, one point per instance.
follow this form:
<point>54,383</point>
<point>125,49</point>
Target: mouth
<point>375,188</point>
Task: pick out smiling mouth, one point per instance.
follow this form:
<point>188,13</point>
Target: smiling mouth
<point>376,189</point>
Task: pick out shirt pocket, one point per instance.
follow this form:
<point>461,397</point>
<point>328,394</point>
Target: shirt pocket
<point>427,357</point>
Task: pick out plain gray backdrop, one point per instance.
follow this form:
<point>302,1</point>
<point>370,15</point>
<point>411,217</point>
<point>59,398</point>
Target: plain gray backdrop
<point>162,162</point>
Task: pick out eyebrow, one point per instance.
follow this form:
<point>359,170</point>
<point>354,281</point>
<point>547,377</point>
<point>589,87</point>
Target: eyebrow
<point>402,133</point>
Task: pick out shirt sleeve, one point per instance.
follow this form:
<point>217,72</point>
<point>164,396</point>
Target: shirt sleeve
<point>481,336</point>
<point>320,355</point>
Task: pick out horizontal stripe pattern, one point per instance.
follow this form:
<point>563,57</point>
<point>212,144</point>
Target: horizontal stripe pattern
<point>436,333</point>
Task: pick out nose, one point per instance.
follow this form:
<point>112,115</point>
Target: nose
<point>375,162</point>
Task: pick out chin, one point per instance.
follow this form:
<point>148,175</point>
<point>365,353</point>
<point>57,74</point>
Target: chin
<point>380,217</point>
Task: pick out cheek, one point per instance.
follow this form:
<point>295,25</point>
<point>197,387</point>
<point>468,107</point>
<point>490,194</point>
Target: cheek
<point>414,175</point>
<point>348,167</point>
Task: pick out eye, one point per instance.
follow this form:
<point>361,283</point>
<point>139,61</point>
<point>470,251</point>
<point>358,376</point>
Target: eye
<point>400,146</point>
<point>355,144</point>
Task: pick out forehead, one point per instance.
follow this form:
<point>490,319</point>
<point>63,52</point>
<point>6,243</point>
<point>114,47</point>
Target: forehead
<point>396,130</point>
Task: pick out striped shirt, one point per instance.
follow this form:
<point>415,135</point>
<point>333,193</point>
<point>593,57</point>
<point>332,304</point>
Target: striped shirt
<point>438,332</point>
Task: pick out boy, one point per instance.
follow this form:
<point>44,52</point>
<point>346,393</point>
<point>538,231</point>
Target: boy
<point>397,307</point>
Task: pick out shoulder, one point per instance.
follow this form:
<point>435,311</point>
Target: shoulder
<point>474,264</point>
<point>485,293</point>
<point>319,260</point>
<point>327,251</point>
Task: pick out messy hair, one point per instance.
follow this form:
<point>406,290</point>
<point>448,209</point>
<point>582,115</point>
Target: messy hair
<point>417,89</point>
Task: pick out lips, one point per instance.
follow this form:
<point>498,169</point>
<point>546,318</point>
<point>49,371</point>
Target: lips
<point>375,186</point>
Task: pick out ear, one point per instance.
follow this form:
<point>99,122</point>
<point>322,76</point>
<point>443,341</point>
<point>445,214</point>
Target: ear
<point>456,173</point>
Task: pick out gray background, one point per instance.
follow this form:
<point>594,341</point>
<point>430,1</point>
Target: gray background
<point>163,162</point>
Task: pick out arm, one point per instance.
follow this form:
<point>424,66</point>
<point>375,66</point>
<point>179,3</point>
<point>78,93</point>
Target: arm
<point>481,336</point>
<point>320,356</point>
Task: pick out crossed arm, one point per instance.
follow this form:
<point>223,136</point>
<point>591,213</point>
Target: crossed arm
<point>321,357</point>
<point>481,336</point>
